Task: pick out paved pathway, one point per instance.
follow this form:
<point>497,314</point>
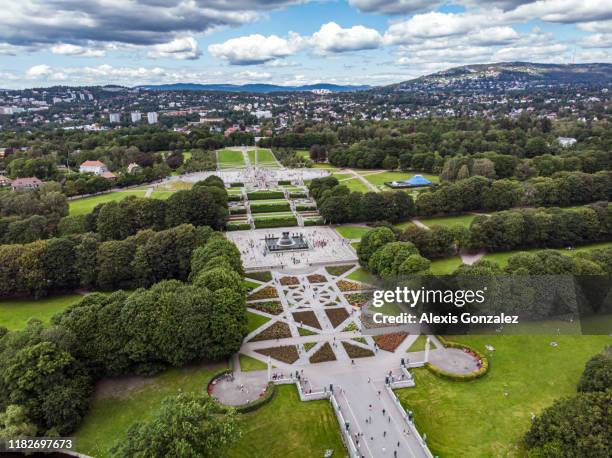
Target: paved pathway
<point>364,181</point>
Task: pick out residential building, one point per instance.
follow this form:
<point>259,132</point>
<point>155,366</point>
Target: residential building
<point>114,117</point>
<point>25,183</point>
<point>94,167</point>
<point>152,117</point>
<point>136,116</point>
<point>566,142</point>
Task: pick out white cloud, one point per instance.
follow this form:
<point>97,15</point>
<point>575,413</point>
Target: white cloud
<point>565,11</point>
<point>75,50</point>
<point>39,72</point>
<point>256,49</point>
<point>333,38</point>
<point>597,40</point>
<point>254,76</point>
<point>184,48</point>
<point>394,6</point>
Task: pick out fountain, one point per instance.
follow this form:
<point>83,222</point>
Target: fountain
<point>286,242</point>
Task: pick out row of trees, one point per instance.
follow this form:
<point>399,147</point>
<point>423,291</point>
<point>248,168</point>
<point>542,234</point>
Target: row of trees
<point>337,204</point>
<point>47,373</point>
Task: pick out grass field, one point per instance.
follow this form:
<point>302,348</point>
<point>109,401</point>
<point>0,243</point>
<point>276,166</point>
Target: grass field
<point>289,428</point>
<point>161,194</point>
<point>255,320</point>
<point>502,257</point>
<point>352,232</point>
<point>15,313</point>
<point>361,275</point>
<point>445,266</point>
<point>248,364</point>
<point>229,158</point>
<point>489,416</point>
<point>449,221</point>
<point>266,158</point>
<point>343,176</point>
<point>303,153</point>
<point>419,344</point>
<point>404,225</point>
<point>86,205</point>
<point>355,184</point>
<point>378,179</point>
<point>123,401</point>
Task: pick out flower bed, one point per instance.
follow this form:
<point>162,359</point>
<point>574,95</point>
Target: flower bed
<point>278,330</point>
<point>316,278</point>
<point>346,285</point>
<point>287,281</point>
<point>309,345</point>
<point>389,342</point>
<point>358,299</point>
<point>323,354</point>
<point>350,327</point>
<point>268,292</point>
<point>308,318</point>
<point>272,307</point>
<point>285,353</point>
<point>336,316</point>
<point>356,352</point>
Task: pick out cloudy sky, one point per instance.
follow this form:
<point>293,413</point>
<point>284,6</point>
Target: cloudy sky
<point>130,42</point>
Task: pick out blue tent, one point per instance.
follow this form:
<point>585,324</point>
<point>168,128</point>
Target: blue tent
<point>418,180</point>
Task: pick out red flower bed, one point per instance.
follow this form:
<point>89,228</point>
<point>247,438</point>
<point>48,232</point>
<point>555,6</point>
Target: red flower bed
<point>389,342</point>
<point>287,353</point>
<point>287,281</point>
<point>308,318</point>
<point>278,330</point>
<point>336,316</point>
<point>346,285</point>
<point>316,278</point>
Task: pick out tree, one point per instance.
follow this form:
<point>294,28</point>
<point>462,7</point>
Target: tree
<point>390,163</point>
<point>597,375</point>
<point>198,426</point>
<point>372,241</point>
<point>15,424</point>
<point>217,278</point>
<point>387,259</point>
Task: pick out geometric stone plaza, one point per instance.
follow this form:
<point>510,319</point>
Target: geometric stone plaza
<point>313,336</point>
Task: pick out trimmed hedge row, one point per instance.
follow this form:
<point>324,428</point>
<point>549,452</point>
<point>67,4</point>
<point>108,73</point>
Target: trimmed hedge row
<point>284,182</point>
<point>234,197</point>
<point>262,223</point>
<point>236,184</point>
<point>297,194</point>
<point>237,210</point>
<point>459,377</point>
<point>238,226</point>
<point>305,207</point>
<point>263,195</point>
<point>313,222</point>
<point>271,207</point>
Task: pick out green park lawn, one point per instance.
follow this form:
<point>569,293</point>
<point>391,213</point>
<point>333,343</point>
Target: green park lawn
<point>378,179</point>
<point>502,257</point>
<point>355,184</point>
<point>361,275</point>
<point>343,176</point>
<point>122,401</point>
<point>230,158</point>
<point>289,428</point>
<point>266,157</point>
<point>419,344</point>
<point>445,266</point>
<point>161,194</point>
<point>303,153</point>
<point>248,364</point>
<point>489,416</point>
<point>352,232</point>
<point>15,313</point>
<point>87,204</point>
<point>255,320</point>
<point>449,221</point>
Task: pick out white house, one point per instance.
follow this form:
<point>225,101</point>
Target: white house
<point>114,117</point>
<point>94,167</point>
<point>152,117</point>
<point>136,116</point>
<point>566,142</point>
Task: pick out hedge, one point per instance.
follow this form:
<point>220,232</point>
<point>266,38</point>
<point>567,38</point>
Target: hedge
<point>305,207</point>
<point>237,210</point>
<point>238,226</point>
<point>236,184</point>
<point>271,207</point>
<point>260,401</point>
<point>297,194</point>
<point>459,377</point>
<point>284,182</point>
<point>234,197</point>
<point>262,223</point>
<point>262,195</point>
<point>313,222</point>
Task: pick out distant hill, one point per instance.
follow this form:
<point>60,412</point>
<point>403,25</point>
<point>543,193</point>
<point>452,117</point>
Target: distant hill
<point>257,88</point>
<point>520,72</point>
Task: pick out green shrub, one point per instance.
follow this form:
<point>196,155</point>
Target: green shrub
<point>271,207</point>
<point>313,222</point>
<point>263,195</point>
<point>234,197</point>
<point>236,184</point>
<point>459,377</point>
<point>238,226</point>
<point>297,194</point>
<point>237,210</point>
<point>262,223</point>
<point>305,207</point>
<point>284,182</point>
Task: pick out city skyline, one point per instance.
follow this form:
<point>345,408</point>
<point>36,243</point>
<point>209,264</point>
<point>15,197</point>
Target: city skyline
<point>371,42</point>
